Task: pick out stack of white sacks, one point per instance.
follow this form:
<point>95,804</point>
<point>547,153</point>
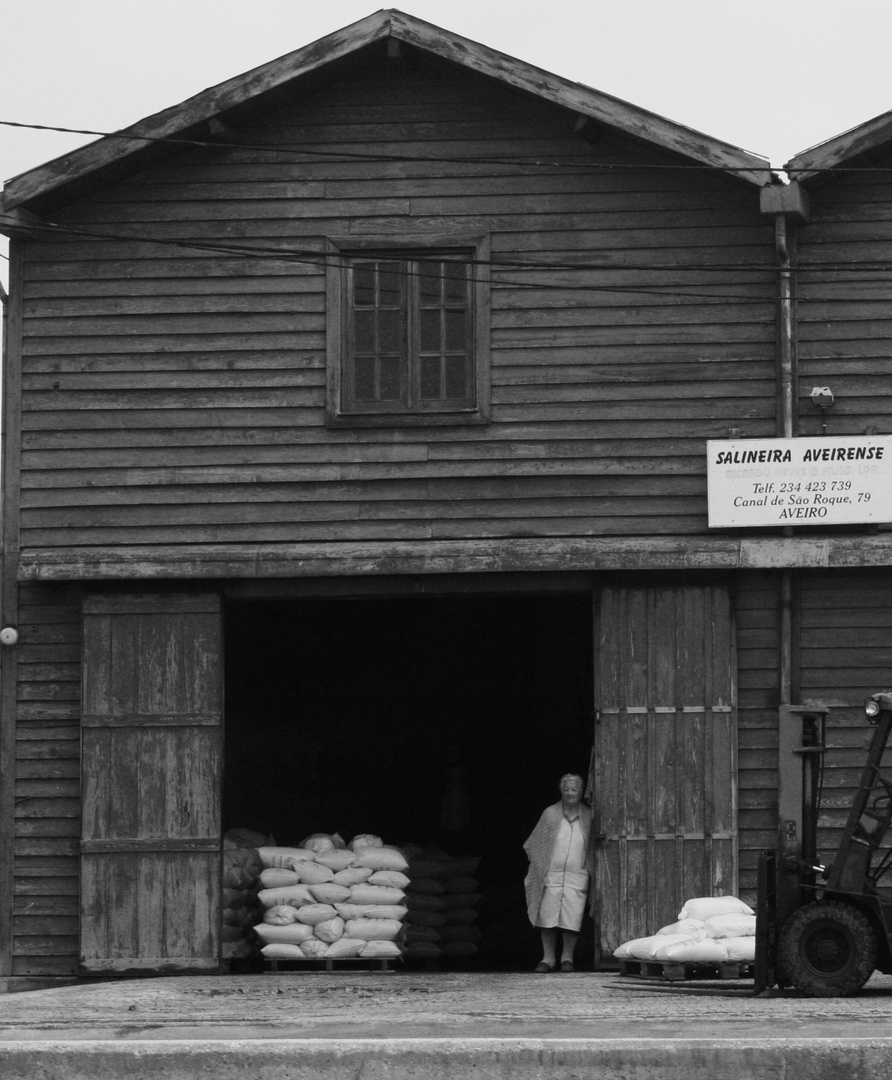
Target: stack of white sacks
<point>710,930</point>
<point>326,901</point>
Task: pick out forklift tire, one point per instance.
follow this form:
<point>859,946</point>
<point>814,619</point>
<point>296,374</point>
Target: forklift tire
<point>828,949</point>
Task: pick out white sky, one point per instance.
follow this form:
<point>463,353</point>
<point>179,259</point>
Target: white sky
<point>771,76</point>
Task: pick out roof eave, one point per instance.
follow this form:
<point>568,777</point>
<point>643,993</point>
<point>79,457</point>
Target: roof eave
<point>195,112</point>
<point>190,118</point>
<point>613,112</point>
<point>842,149</point>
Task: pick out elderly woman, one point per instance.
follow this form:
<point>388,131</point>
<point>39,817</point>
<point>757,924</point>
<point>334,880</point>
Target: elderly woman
<point>560,868</point>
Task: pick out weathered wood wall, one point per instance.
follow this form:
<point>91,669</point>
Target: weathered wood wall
<point>758,695</point>
<point>845,655</point>
<point>47,783</point>
<point>176,396</point>
<point>845,306</point>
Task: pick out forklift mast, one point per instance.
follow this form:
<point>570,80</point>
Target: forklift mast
<point>868,820</point>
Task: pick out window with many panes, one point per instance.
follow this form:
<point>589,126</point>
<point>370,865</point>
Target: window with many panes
<point>408,338</point>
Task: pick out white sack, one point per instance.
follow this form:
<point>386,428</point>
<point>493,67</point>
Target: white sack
<point>275,877</point>
<point>742,949</point>
<point>318,842</point>
<point>385,911</point>
<point>371,911</point>
<point>294,934</point>
<point>292,895</point>
<point>394,878</point>
<point>644,948</point>
<point>354,911</point>
<point>353,875</point>
<point>694,928</point>
<point>312,873</point>
<point>245,838</point>
<point>375,894</point>
<point>280,915</point>
<point>329,893</point>
<point>314,949</point>
<point>381,858</point>
<point>731,926</point>
<point>315,913</point>
<point>373,929</point>
<point>364,840</point>
<point>705,951</point>
<point>283,952</point>
<point>704,907</point>
<point>380,949</point>
<point>282,856</point>
<point>330,930</point>
<point>337,859</point>
<point>344,947</point>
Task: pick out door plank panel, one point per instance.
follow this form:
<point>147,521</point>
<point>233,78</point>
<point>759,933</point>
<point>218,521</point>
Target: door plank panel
<point>151,772</point>
<point>665,755</point>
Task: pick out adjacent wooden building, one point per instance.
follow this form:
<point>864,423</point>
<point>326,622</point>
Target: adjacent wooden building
<point>355,425</point>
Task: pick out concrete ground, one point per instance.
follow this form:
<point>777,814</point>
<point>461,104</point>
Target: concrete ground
<point>370,1025</point>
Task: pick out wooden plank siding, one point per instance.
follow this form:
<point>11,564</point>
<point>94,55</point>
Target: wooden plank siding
<point>46,829</point>
<point>845,655</point>
<point>758,650</point>
<point>845,342</point>
<point>175,396</point>
<point>845,305</point>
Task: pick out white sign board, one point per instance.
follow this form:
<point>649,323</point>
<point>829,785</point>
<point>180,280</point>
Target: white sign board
<point>820,481</point>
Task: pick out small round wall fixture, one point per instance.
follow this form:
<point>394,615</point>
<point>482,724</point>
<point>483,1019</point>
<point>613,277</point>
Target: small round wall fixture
<point>9,635</point>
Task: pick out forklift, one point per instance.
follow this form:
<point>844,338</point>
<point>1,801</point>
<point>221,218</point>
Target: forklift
<point>825,929</point>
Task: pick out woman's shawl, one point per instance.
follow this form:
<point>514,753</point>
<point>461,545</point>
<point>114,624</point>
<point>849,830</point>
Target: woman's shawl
<point>539,846</point>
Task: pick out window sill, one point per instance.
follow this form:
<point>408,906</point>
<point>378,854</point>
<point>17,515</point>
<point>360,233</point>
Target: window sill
<point>390,420</point>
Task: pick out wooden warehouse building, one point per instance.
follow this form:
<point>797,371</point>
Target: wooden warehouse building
<point>356,415</point>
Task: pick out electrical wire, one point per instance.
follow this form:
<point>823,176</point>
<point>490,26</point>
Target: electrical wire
<point>318,258</point>
<point>323,259</point>
<point>355,155</point>
<point>350,155</point>
<point>678,290</point>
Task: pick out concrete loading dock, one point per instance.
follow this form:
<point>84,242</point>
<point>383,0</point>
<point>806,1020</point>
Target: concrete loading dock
<point>398,1025</point>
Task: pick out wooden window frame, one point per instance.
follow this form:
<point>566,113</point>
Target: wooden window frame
<point>340,412</point>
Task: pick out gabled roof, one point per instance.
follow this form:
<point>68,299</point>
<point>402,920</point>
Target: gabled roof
<point>843,150</point>
<point>124,152</point>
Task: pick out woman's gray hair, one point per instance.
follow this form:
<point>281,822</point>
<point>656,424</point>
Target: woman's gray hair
<point>572,776</point>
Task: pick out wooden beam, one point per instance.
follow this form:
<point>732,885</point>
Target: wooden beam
<point>20,224</point>
<point>455,557</point>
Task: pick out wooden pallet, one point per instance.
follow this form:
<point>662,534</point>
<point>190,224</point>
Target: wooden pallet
<point>342,963</point>
<point>674,971</point>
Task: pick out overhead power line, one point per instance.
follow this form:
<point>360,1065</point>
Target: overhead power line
<point>355,155</point>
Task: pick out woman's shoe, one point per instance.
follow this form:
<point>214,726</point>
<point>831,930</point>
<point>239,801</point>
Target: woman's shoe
<point>542,968</point>
<point>567,965</point>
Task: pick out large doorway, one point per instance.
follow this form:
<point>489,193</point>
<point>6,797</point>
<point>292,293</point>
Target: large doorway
<point>438,722</point>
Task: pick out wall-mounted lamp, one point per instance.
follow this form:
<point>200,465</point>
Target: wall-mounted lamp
<point>822,398</point>
<point>9,635</point>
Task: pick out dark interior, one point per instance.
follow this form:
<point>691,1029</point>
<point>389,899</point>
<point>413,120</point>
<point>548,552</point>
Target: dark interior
<point>363,715</point>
